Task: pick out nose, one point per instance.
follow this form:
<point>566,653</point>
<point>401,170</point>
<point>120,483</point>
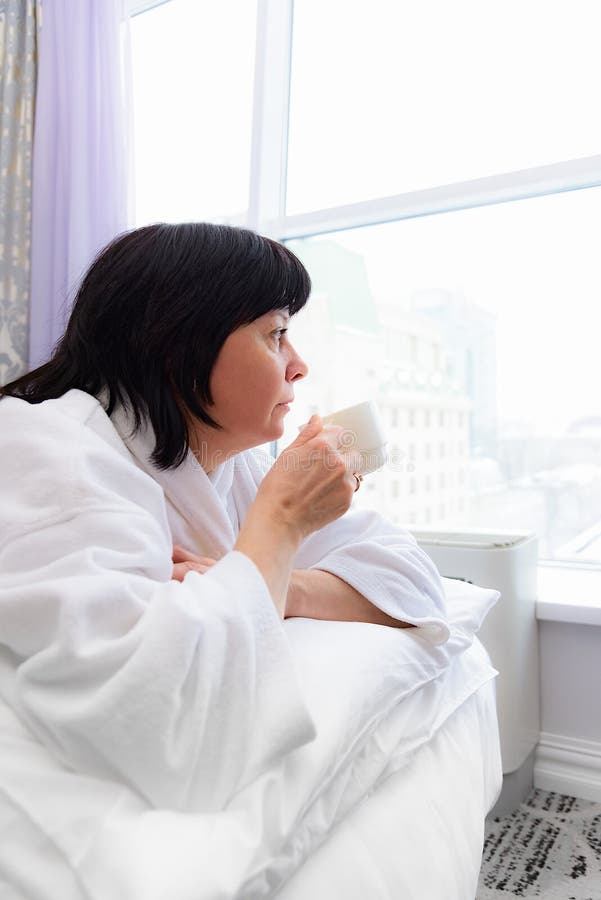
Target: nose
<point>297,367</point>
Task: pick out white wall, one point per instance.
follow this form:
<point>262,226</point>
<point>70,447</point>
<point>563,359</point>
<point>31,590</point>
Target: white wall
<point>570,663</point>
<point>569,753</point>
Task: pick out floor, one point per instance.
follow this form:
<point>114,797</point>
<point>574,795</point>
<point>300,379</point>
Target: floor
<point>550,847</point>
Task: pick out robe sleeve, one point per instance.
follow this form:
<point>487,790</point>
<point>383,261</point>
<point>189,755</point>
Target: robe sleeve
<point>186,691</point>
<point>386,565</point>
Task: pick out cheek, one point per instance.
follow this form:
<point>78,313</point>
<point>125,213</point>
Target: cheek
<point>230,372</point>
<point>260,388</point>
<point>239,391</point>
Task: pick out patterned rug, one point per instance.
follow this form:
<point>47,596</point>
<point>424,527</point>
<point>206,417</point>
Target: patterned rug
<point>550,847</point>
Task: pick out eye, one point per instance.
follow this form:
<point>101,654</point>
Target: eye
<point>278,334</point>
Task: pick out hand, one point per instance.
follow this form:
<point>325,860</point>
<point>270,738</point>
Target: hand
<point>185,561</point>
<point>311,483</point>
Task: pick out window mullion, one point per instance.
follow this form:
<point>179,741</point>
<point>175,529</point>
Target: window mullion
<point>564,176</point>
<point>136,7</point>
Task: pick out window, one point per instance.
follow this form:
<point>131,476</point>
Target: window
<point>193,66</point>
<point>433,166</point>
<point>395,97</point>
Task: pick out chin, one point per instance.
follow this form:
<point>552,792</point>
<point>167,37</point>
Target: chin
<point>275,432</point>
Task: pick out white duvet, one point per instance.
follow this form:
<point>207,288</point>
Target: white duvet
<point>375,694</point>
<point>419,834</point>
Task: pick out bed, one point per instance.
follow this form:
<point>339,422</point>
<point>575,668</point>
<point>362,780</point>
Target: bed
<point>388,801</point>
<point>418,836</point>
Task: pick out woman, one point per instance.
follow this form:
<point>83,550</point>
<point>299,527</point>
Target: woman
<point>148,557</point>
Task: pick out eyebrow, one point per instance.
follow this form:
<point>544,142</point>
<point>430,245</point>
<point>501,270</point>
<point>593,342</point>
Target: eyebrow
<point>280,312</point>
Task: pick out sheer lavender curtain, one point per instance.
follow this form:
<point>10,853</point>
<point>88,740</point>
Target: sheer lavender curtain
<point>82,153</point>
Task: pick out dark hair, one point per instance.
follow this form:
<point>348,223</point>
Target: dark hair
<point>151,316</point>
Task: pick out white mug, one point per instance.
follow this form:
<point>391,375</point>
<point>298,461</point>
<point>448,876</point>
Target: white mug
<point>363,431</point>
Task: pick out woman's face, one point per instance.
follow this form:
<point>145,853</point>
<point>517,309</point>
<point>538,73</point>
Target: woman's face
<point>252,383</point>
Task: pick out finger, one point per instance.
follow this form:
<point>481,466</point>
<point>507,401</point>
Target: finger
<point>180,570</point>
<point>335,436</point>
<point>308,431</point>
<point>180,555</point>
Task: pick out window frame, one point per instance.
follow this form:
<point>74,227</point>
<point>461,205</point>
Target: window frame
<point>267,196</point>
<point>270,122</point>
<point>135,7</point>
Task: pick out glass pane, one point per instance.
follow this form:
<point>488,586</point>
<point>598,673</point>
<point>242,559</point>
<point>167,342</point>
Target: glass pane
<point>390,97</point>
<point>477,334</point>
<point>193,72</point>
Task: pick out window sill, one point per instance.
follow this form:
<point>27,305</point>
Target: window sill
<point>569,594</point>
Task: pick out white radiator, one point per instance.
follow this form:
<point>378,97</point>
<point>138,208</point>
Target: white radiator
<point>508,563</point>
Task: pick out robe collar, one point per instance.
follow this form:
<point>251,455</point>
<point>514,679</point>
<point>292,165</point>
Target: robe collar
<point>197,503</point>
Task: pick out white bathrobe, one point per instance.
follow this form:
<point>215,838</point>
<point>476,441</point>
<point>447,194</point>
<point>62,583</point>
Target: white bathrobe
<point>184,691</point>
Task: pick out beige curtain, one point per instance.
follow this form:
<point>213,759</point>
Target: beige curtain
<point>19,25</point>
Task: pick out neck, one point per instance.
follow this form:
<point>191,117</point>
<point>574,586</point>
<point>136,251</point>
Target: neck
<point>210,449</point>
